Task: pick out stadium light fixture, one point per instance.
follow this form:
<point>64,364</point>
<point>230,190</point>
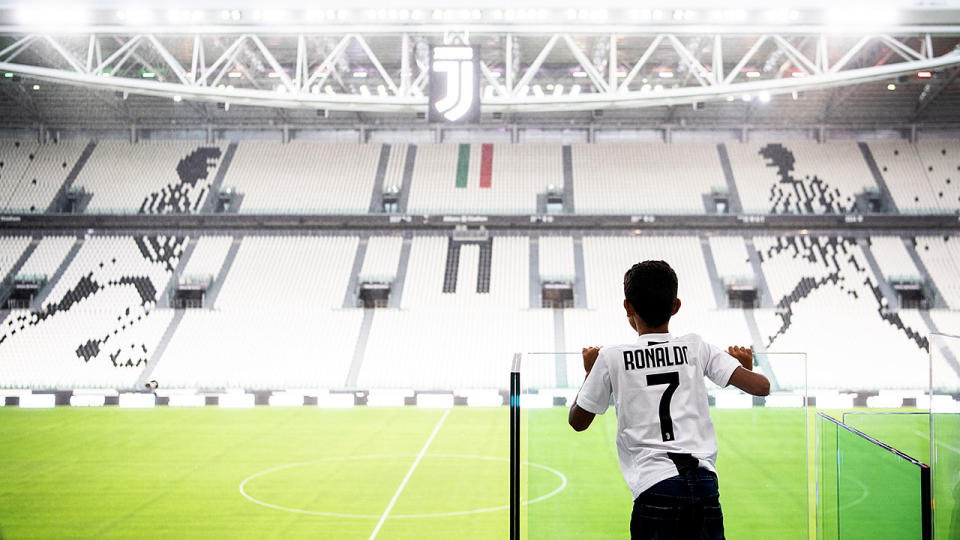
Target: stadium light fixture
<point>580,74</point>
<point>558,90</point>
<point>665,74</point>
<point>735,15</point>
<point>924,74</point>
<point>753,74</point>
<point>364,91</point>
<point>234,75</point>
<point>845,17</point>
<point>575,90</point>
<point>537,90</point>
<point>8,75</point>
<point>746,98</point>
<point>52,16</point>
<point>36,87</point>
<point>136,15</point>
<point>275,15</point>
<point>891,86</point>
<point>177,99</point>
<point>359,74</point>
<point>148,75</point>
<point>764,97</point>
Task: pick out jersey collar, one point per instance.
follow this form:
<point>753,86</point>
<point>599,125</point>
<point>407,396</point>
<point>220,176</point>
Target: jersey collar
<point>646,338</point>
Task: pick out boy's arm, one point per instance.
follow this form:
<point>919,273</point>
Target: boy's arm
<point>578,418</point>
<point>744,377</point>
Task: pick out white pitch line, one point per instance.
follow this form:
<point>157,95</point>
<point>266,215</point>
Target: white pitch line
<point>409,474</point>
<point>941,443</point>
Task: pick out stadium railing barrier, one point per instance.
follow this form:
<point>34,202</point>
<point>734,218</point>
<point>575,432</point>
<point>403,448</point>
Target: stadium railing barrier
<point>908,431</point>
<point>945,434</point>
<point>866,488</point>
<point>568,485</point>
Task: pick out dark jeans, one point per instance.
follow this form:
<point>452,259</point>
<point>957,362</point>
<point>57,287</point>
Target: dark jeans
<point>684,507</point>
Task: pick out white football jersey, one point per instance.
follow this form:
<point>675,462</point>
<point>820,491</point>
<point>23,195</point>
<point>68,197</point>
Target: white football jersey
<point>661,401</point>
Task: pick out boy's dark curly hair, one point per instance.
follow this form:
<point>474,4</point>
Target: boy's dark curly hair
<point>651,288</point>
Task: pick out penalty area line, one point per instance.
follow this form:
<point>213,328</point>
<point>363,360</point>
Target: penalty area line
<point>403,483</point>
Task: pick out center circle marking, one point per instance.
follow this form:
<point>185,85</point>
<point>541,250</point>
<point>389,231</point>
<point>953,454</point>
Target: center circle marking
<point>563,485</point>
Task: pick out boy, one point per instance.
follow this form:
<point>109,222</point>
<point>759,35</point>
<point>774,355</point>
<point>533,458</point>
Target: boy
<point>665,439</point>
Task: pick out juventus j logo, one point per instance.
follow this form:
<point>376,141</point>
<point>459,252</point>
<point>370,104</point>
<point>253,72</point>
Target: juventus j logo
<point>456,66</point>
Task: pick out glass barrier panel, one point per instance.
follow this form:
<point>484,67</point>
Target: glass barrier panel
<point>945,434</point>
<point>908,432</point>
<point>867,489</point>
<point>572,486</point>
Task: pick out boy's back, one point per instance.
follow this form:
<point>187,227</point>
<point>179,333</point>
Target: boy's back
<point>663,418</point>
<point>665,438</point>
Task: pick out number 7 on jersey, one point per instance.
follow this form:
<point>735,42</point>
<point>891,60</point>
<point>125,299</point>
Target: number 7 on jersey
<point>672,380</point>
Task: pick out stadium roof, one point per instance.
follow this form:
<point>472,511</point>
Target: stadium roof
<point>226,64</point>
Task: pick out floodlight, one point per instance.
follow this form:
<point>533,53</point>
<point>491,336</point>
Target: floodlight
<point>735,15</point>
<point>891,86</point>
<point>364,91</point>
<point>580,74</point>
<point>753,74</point>
<point>764,97</point>
<point>924,74</point>
<point>558,90</point>
<point>746,97</point>
<point>234,75</point>
<point>36,87</point>
<point>537,91</point>
<point>861,17</point>
<point>665,74</point>
<point>52,16</point>
<point>136,15</point>
<point>381,90</point>
<point>177,99</point>
<point>359,74</point>
<point>575,90</point>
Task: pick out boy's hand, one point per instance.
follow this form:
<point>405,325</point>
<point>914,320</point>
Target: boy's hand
<point>744,355</point>
<point>590,357</point>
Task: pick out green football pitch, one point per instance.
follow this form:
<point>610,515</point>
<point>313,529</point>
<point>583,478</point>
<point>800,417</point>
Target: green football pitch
<point>358,473</point>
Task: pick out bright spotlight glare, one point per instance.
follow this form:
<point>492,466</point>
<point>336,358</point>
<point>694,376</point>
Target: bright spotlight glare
<point>765,97</point>
<point>274,15</point>
<point>136,15</point>
<point>575,90</point>
<point>558,90</point>
<point>861,17</point>
<point>52,16</point>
